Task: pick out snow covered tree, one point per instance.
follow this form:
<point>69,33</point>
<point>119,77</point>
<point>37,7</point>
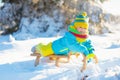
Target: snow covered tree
<point>60,12</point>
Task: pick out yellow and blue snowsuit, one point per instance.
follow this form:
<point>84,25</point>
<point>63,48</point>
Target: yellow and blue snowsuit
<point>66,44</point>
<point>69,42</point>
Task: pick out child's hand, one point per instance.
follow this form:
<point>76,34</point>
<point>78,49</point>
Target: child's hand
<point>92,56</point>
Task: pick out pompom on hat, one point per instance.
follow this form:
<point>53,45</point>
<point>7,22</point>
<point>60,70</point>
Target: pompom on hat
<point>81,20</point>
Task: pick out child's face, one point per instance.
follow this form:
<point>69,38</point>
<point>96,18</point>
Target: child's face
<point>82,30</point>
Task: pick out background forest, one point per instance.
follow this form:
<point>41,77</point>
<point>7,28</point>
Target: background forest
<point>51,17</point>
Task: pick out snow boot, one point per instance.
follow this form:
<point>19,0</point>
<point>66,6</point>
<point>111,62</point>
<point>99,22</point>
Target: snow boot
<point>44,50</point>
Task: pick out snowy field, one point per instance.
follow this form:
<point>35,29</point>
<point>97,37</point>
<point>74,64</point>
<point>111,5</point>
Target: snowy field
<point>17,64</point>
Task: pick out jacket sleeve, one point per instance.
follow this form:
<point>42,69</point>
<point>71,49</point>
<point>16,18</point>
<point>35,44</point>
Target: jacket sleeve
<point>74,46</point>
<point>89,46</point>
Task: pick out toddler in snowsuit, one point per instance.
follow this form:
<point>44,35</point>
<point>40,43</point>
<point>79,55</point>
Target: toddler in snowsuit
<point>75,40</point>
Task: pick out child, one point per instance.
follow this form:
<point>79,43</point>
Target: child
<point>75,40</point>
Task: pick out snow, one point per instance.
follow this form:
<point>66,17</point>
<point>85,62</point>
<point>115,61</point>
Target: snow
<point>1,3</point>
<point>112,6</point>
<point>17,64</point>
<point>44,26</point>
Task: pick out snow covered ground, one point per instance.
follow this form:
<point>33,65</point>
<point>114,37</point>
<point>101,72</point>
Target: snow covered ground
<point>17,64</point>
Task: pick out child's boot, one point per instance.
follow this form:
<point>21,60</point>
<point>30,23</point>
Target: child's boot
<point>45,50</point>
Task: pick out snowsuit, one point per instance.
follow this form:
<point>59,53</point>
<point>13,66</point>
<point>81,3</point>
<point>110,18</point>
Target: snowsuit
<point>73,40</point>
<point>69,43</point>
<point>64,45</point>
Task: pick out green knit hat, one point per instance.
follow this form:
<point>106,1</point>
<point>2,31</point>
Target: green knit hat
<point>81,20</point>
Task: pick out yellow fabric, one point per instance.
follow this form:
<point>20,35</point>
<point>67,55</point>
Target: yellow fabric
<point>45,50</point>
<point>81,24</point>
<point>90,56</point>
<point>84,13</point>
<point>72,27</point>
<point>80,39</point>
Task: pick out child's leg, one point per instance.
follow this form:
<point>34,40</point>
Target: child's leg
<point>42,50</point>
<point>45,50</point>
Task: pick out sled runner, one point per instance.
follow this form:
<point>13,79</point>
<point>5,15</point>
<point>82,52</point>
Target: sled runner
<point>54,57</point>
